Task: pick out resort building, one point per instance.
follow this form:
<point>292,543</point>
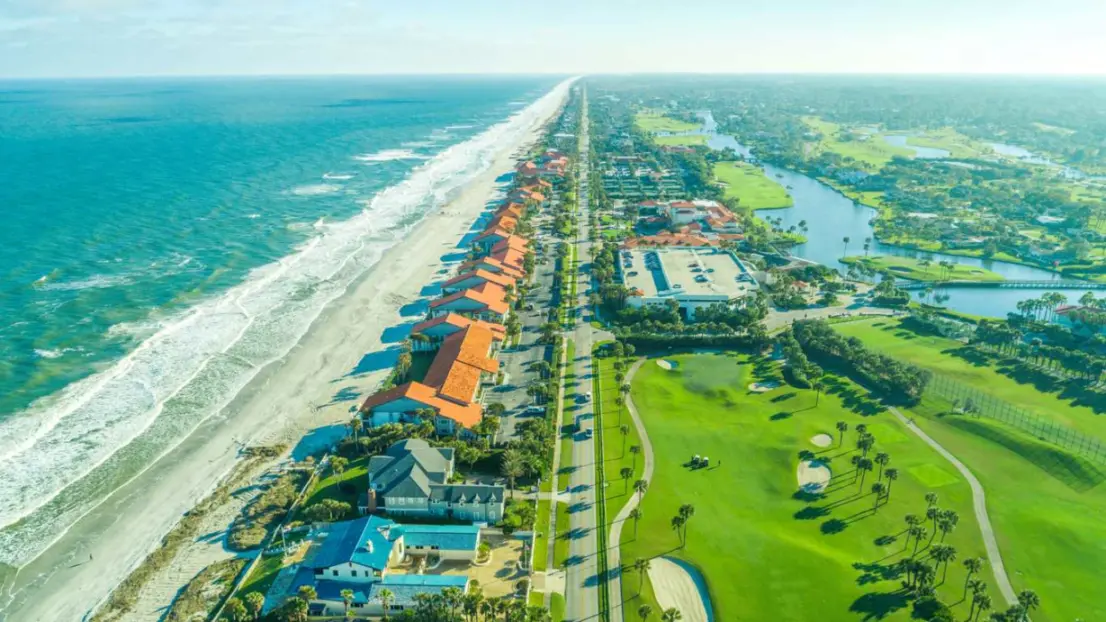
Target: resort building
<point>476,278</point>
<point>694,277</point>
<point>450,389</point>
<point>429,335</point>
<point>551,164</point>
<point>412,479</point>
<point>362,556</point>
<point>710,215</point>
<point>484,302</point>
<point>486,241</point>
<point>496,265</point>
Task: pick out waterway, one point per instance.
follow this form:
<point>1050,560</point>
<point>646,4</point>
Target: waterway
<point>926,153</point>
<point>830,217</point>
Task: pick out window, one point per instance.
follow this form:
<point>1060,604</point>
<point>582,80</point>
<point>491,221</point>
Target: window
<point>353,573</point>
<point>334,572</point>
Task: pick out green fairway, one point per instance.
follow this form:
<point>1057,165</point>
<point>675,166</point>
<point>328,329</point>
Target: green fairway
<point>1045,503</point>
<point>750,186</point>
<point>768,551</point>
<point>684,140</point>
<point>652,121</point>
<point>869,149</point>
<point>912,268</point>
<point>958,145</point>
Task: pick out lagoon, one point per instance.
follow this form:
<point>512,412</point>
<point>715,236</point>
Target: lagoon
<point>925,153</point>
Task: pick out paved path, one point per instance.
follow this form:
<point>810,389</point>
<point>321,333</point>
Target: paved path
<point>614,553</point>
<point>979,504</point>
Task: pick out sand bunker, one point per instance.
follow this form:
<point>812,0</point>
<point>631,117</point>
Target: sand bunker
<point>669,365</point>
<point>821,440</point>
<point>813,476</point>
<point>764,387</point>
<point>674,586</point>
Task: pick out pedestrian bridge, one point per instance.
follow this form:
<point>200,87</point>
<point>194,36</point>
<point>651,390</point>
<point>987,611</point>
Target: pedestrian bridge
<point>1010,284</point>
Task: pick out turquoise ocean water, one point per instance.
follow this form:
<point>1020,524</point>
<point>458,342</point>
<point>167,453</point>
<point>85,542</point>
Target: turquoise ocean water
<point>163,239</point>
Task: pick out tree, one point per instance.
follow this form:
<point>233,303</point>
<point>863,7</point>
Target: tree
<point>981,603</point>
<point>385,596</point>
<point>307,592</point>
<point>293,610</point>
<point>338,465</point>
<point>235,611</point>
<point>973,565</point>
<point>816,384</point>
<point>636,514</point>
<point>671,615</point>
<point>624,430</point>
<point>511,467</point>
<point>677,523</point>
<point>1027,601</point>
<point>641,565</point>
<point>347,599</point>
<point>640,487</point>
<point>686,512</point>
<point>842,427</point>
<point>882,459</point>
<point>626,474</point>
<point>947,522</point>
<point>635,450</point>
<point>644,611</point>
<point>877,490</point>
<point>846,250</point>
<point>327,511</point>
<point>892,475</point>
<point>863,466</point>
<point>255,602</point>
<point>917,532</point>
<point>943,554</point>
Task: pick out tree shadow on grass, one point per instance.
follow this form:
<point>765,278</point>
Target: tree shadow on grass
<point>833,526</point>
<point>852,398</point>
<point>780,416</point>
<point>811,513</point>
<point>875,572</point>
<point>879,605</point>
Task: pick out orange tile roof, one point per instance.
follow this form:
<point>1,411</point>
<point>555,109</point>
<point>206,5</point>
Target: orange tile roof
<point>468,415</point>
<point>511,242</point>
<point>511,209</point>
<point>494,264</point>
<point>505,222</point>
<point>490,277</point>
<point>462,359</point>
<point>492,296</point>
<point>460,321</point>
<point>503,233</point>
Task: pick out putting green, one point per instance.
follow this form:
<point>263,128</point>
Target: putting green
<point>933,476</point>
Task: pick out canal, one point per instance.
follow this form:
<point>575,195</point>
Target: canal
<point>830,217</point>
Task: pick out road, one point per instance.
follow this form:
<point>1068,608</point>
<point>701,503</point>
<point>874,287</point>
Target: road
<point>582,578</point>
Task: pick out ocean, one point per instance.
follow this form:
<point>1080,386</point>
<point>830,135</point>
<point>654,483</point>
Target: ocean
<point>163,240</point>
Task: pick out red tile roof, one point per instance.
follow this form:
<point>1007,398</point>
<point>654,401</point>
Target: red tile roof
<point>460,322</point>
<point>468,415</point>
<point>462,359</point>
<point>489,277</point>
<point>492,296</point>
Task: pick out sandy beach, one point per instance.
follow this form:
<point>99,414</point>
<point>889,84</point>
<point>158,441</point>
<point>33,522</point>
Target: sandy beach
<point>305,399</point>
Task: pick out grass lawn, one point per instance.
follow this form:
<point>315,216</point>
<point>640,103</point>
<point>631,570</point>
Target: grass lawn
<point>868,149</point>
<point>911,268</point>
<point>346,487</point>
<point>1045,505</point>
<point>653,121</point>
<point>750,186</point>
<point>541,537</point>
<point>568,414</point>
<point>557,606</point>
<point>262,576</point>
<point>616,447</point>
<point>560,545</point>
<point>958,145</point>
<point>685,140</point>
<point>768,551</point>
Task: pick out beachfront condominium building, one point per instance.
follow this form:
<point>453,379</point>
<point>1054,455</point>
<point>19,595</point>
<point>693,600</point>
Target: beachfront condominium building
<point>449,390</point>
<point>356,558</point>
<point>476,278</point>
<point>429,335</point>
<point>486,302</point>
<point>412,479</point>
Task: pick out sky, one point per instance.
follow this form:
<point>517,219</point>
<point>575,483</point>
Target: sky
<point>90,38</point>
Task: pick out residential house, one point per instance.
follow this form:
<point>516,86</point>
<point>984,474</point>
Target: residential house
<point>484,302</point>
<point>356,557</point>
<point>449,389</point>
<point>412,479</point>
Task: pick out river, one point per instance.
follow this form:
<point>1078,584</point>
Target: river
<point>830,217</point>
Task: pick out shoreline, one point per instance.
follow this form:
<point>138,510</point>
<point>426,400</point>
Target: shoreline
<point>303,399</point>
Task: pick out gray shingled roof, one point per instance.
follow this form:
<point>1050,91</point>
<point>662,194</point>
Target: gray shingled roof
<point>471,493</point>
<point>409,468</point>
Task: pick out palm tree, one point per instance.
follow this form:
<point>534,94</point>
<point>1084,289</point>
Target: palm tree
<point>981,602</point>
<point>918,532</point>
<point>677,523</point>
<point>640,487</point>
<point>846,250</point>
<point>636,514</point>
<point>943,554</point>
<point>386,597</point>
<point>882,459</point>
<point>892,475</point>
<point>842,427</point>
<point>641,565</point>
<point>947,522</point>
<point>877,488</point>
<point>864,466</point>
<point>644,611</point>
<point>626,474</point>
<point>973,565</point>
<point>931,499</point>
<point>671,615</point>
<point>1028,600</point>
<point>512,467</point>
<point>816,384</point>
<point>686,512</point>
<point>255,602</point>
<point>635,450</point>
<point>624,430</point>
<point>347,599</point>
<point>932,514</point>
<point>307,593</point>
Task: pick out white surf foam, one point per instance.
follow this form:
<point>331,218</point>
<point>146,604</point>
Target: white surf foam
<point>96,281</point>
<point>196,362</point>
<point>419,143</point>
<point>312,190</point>
<point>388,155</point>
<point>337,177</point>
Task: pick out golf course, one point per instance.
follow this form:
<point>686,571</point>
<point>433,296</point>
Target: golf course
<point>783,525</point>
<point>1045,503</point>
